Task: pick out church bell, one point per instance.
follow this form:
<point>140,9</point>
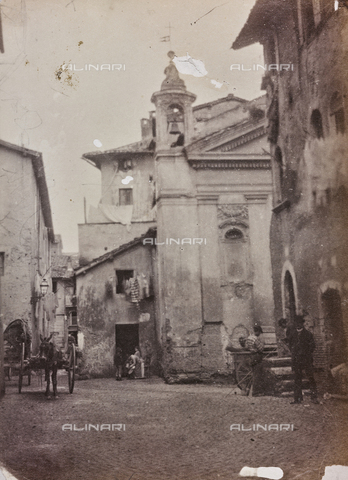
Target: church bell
<point>174,128</point>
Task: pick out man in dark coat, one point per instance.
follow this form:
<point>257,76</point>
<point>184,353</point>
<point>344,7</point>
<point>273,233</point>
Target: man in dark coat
<point>118,363</point>
<point>302,346</point>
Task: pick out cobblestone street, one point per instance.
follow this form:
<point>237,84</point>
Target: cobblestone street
<point>171,432</point>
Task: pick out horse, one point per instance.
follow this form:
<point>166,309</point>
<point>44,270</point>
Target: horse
<point>52,355</point>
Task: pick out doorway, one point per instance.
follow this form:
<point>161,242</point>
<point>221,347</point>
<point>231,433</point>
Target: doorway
<point>334,330</point>
<point>290,302</point>
<point>127,338</point>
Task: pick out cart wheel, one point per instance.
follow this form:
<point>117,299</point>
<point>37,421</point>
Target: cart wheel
<point>244,375</point>
<point>21,369</point>
<point>71,368</point>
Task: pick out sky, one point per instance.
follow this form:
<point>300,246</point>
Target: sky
<point>62,115</point>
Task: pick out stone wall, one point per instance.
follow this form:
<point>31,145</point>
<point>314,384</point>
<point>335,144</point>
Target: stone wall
<point>309,236</point>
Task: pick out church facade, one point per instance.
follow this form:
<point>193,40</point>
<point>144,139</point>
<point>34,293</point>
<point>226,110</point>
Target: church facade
<point>200,178</point>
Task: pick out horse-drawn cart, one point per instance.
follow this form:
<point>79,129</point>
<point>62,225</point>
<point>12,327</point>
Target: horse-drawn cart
<point>17,340</point>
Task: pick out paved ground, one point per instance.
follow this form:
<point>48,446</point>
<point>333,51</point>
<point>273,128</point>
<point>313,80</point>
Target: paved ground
<point>171,432</point>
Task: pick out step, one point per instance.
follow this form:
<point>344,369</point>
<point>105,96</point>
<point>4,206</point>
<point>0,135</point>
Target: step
<point>288,385</point>
<point>291,393</point>
<point>281,371</point>
<point>277,361</point>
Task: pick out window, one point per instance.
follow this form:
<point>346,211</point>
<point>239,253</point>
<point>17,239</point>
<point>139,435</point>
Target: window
<point>2,264</point>
<point>234,234</point>
<point>54,286</point>
<point>125,196</point>
<point>337,112</point>
<point>121,277</point>
<point>278,166</point>
<point>317,124</point>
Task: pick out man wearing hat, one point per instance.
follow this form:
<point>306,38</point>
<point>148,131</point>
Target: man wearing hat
<point>302,346</point>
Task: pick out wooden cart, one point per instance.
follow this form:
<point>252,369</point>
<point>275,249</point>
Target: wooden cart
<point>17,342</point>
<point>17,347</point>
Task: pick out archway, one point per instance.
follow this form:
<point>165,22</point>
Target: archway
<point>334,330</point>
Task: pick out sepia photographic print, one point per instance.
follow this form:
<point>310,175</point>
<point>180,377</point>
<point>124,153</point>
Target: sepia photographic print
<point>173,239</point>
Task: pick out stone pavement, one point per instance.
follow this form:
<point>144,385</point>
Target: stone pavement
<point>164,432</point>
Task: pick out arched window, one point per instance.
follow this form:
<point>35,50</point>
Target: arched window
<point>317,124</point>
<point>234,252</point>
<point>337,111</point>
<point>234,234</point>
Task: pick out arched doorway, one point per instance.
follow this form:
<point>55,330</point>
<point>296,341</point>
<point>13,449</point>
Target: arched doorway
<point>334,331</point>
<point>289,298</point>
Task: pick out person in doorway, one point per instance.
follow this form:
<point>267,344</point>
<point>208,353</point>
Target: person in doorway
<point>130,366</point>
<point>302,345</point>
<point>118,363</point>
<point>139,366</point>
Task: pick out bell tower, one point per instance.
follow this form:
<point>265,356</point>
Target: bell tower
<point>178,260</point>
<point>174,117</point>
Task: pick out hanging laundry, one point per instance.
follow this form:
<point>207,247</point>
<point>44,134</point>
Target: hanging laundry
<point>146,287</point>
<point>134,290</point>
<point>140,279</point>
<point>127,287</point>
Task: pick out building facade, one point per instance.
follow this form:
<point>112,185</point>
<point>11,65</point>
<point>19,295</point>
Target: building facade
<point>116,306</point>
<point>26,239</point>
<point>202,175</point>
<point>64,322</point>
<point>307,114</point>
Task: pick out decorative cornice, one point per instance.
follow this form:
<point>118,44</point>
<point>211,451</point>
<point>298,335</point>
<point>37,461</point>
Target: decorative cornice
<point>256,197</point>
<point>218,160</point>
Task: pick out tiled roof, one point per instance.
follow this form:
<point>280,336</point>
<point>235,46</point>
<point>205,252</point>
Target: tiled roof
<point>222,135</point>
<point>229,97</point>
<point>61,264</point>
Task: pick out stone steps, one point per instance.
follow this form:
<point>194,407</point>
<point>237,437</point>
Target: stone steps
<point>279,378</point>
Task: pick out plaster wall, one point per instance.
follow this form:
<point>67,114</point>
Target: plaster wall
<point>142,172</point>
<point>24,241</point>
<point>100,309</point>
<point>95,239</point>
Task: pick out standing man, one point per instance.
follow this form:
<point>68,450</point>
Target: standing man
<point>118,363</point>
<point>302,346</point>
